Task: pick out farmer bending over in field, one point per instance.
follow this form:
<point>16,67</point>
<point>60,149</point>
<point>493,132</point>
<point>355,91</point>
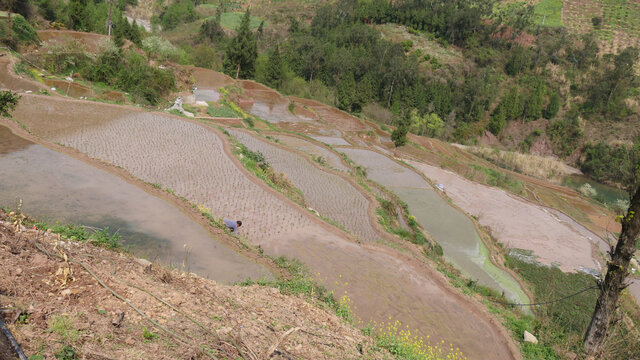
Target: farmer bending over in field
<point>233,225</point>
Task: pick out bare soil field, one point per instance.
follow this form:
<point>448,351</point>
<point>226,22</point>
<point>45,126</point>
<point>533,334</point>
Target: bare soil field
<point>195,162</point>
<point>329,194</point>
<point>294,142</point>
<point>519,224</point>
<point>451,228</point>
<point>634,289</point>
<point>209,79</point>
<point>70,307</point>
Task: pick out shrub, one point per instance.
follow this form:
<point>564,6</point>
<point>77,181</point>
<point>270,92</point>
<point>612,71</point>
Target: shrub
<point>179,12</point>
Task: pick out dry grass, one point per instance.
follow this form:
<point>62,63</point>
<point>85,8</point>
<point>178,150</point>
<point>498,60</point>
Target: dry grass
<point>541,167</point>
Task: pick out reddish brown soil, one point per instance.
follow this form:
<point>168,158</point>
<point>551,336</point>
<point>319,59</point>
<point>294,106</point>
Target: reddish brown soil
<point>205,78</point>
<point>70,88</point>
<point>332,116</point>
<point>114,96</point>
<point>236,321</point>
<point>8,80</point>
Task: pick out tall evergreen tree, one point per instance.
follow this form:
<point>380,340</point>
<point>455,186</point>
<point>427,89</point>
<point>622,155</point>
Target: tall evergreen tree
<point>242,51</point>
<point>274,69</point>
<point>78,14</point>
<point>346,93</point>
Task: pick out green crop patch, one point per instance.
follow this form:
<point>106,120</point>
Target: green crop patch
<point>549,13</point>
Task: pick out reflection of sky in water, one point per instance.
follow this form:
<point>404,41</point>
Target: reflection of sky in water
<point>206,95</point>
<point>55,187</point>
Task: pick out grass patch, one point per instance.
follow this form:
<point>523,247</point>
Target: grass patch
<point>255,162</point>
<point>299,282</point>
<point>99,237</point>
<point>549,13</point>
<point>223,111</point>
<point>64,327</point>
<point>231,20</point>
<point>559,324</point>
<point>496,178</point>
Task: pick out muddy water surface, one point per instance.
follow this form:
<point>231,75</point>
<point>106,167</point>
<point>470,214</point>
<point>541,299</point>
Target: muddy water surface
<point>449,227</point>
<point>55,187</point>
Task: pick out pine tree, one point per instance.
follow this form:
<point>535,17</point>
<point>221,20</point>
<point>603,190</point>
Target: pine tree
<point>534,106</point>
<point>242,51</point>
<point>346,93</point>
<point>553,107</point>
<point>274,69</point>
<point>77,14</point>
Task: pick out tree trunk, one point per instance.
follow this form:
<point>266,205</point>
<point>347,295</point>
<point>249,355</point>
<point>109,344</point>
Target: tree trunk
<point>617,271</point>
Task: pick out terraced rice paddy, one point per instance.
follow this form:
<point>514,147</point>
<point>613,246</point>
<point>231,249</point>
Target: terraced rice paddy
<point>267,104</point>
<point>554,238</point>
<point>54,187</point>
<point>209,79</point>
<point>12,82</point>
<point>193,161</point>
<point>331,140</point>
<point>449,227</point>
<point>316,151</point>
<point>331,116</point>
<point>329,194</point>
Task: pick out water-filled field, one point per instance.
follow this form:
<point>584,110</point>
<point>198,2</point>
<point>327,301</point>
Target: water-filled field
<point>448,226</point>
<point>329,194</point>
<point>331,159</point>
<point>194,161</point>
<point>54,187</point>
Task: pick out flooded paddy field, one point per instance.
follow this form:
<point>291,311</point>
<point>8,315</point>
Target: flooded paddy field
<point>449,227</point>
<point>267,104</point>
<point>57,188</point>
<point>196,163</point>
<point>332,160</point>
<point>519,224</point>
<point>332,116</point>
<point>329,194</point>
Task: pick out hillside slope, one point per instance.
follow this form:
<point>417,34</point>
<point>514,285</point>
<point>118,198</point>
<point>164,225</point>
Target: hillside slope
<point>53,303</point>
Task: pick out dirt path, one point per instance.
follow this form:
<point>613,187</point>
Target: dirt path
<point>519,224</point>
<point>165,150</point>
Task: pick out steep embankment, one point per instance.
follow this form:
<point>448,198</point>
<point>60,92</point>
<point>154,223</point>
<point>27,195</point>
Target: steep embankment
<point>52,303</point>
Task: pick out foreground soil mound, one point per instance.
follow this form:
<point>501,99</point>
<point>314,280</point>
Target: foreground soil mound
<point>55,307</point>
